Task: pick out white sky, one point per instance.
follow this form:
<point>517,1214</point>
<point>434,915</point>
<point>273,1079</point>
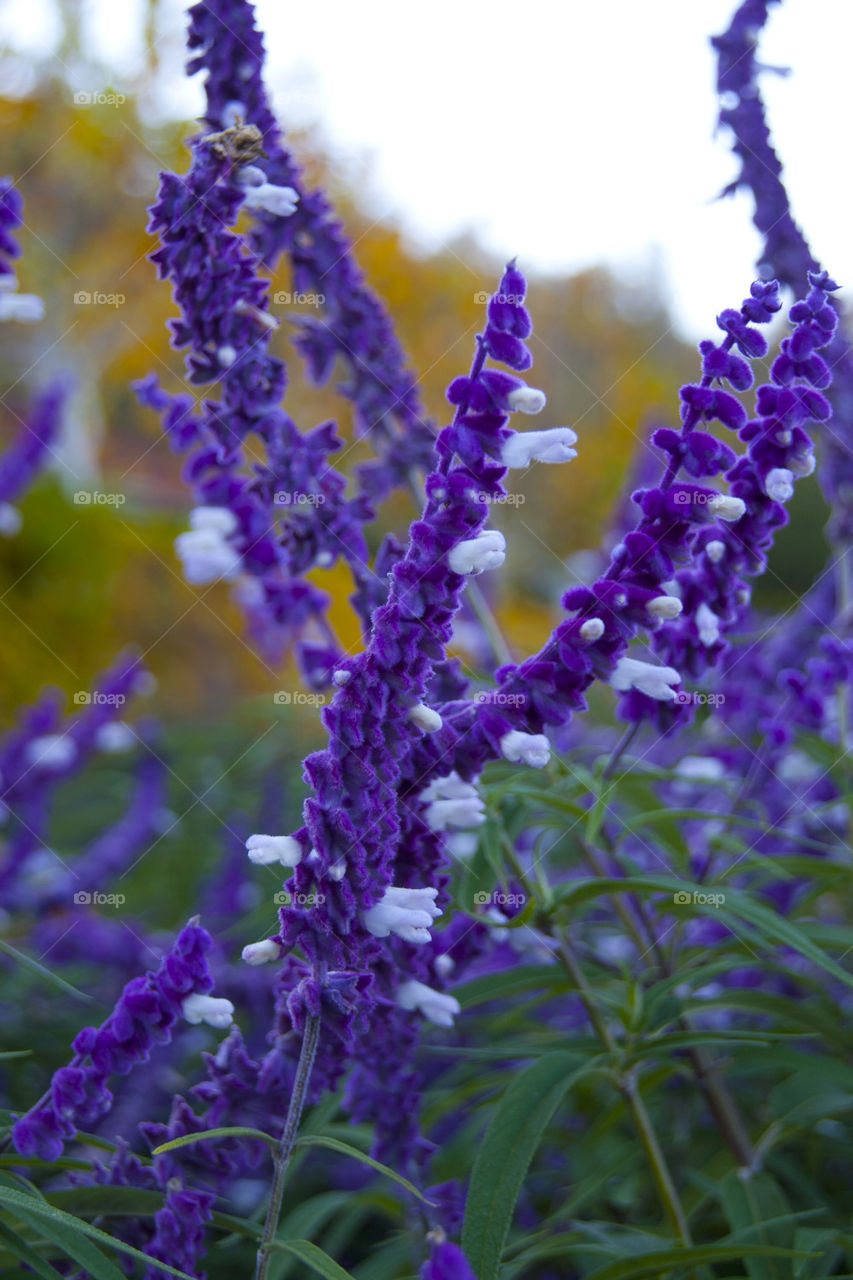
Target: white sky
<point>567,133</point>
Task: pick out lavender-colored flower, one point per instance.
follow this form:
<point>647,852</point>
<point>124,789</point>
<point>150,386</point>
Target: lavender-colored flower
<point>144,1016</point>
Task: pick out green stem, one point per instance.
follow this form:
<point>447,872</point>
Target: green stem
<point>307,1054</point>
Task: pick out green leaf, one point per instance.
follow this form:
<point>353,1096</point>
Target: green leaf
<point>54,1223</point>
<point>511,982</point>
<point>344,1149</point>
<point>314,1257</point>
<point>748,1202</point>
<point>505,1154</point>
<point>237,1131</point>
<point>19,1247</point>
<point>15,1053</point>
<point>41,971</point>
<point>651,1266</point>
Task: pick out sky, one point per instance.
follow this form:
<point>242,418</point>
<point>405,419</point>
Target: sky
<point>566,134</point>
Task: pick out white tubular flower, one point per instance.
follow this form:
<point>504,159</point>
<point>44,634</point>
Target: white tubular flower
<point>265,850</point>
<point>10,520</point>
<point>702,768</point>
<point>555,445</point>
<point>434,1005</point>
<point>665,607</point>
<point>407,912</point>
<point>526,748</point>
<point>654,682</point>
<point>462,844</point>
<point>26,308</point>
<point>727,507</point>
<point>450,787</point>
<point>262,952</point>
<point>462,812</point>
<point>802,464</point>
<point>52,751</point>
<point>215,1011</point>
<point>281,201</point>
<point>486,551</point>
<point>715,550</point>
<point>233,113</point>
<point>205,552</point>
<point>779,484</point>
<point>592,629</point>
<point>219,519</point>
<point>526,400</point>
<point>707,624</point>
<point>115,736</point>
<point>424,717</point>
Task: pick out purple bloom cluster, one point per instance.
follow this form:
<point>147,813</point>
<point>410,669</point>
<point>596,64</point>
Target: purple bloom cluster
<point>144,1016</point>
<point>354,327</point>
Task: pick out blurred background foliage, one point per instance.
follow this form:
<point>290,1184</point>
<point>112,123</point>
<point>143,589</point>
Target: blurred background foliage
<point>80,581</point>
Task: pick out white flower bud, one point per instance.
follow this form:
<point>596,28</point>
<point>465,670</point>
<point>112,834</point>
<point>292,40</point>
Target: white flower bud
<point>226,356</point>
<point>802,464</point>
<point>262,952</point>
<point>434,1005</point>
<point>218,519</point>
<point>206,556</point>
<point>26,308</point>
<point>525,447</point>
<point>444,965</point>
<point>409,913</point>
<point>462,844</point>
<point>266,850</point>
<point>592,629</point>
<point>646,678</point>
<point>526,400</point>
<point>715,550</point>
<point>486,551</point>
<point>281,201</point>
<point>340,678</point>
<point>450,787</point>
<point>707,624</point>
<point>51,751</point>
<point>665,607</point>
<point>526,748</point>
<point>233,113</point>
<point>465,811</point>
<point>249,175</point>
<point>216,1012</point>
<point>10,520</point>
<point>114,737</point>
<point>779,484</point>
<point>701,768</point>
<point>727,507</point>
<point>424,718</point>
